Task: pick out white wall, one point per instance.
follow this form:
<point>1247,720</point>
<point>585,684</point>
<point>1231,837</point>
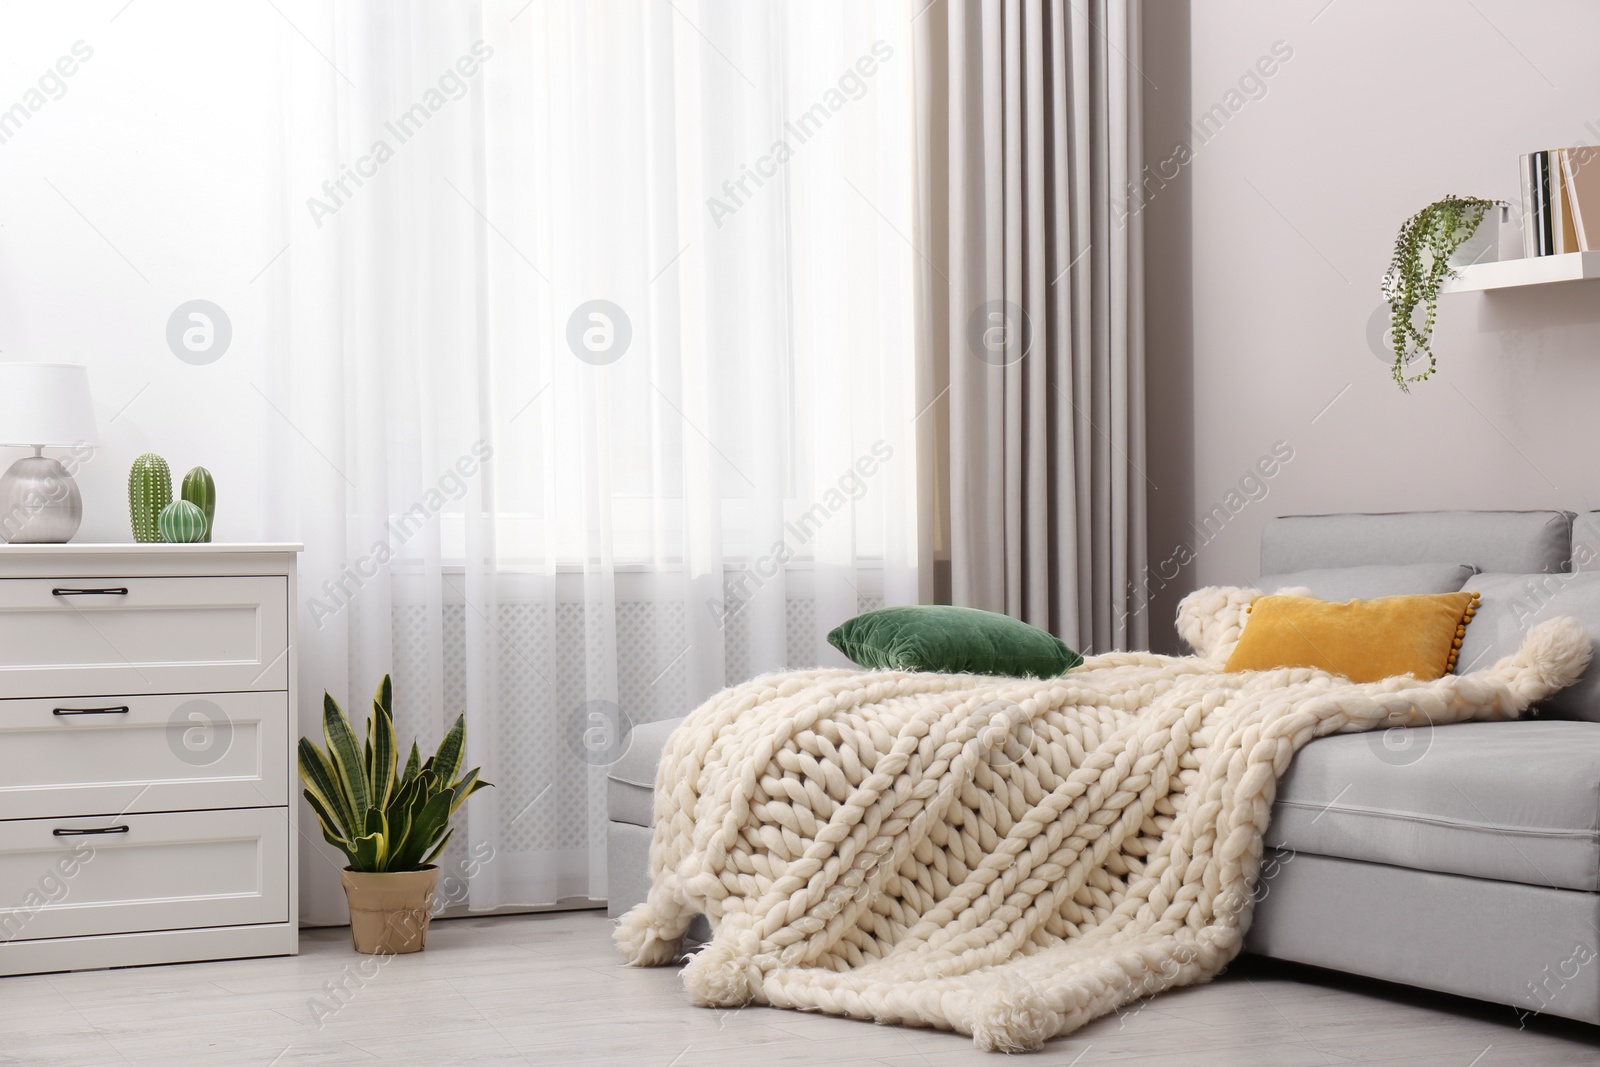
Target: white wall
<point>164,141</point>
<point>1294,203</point>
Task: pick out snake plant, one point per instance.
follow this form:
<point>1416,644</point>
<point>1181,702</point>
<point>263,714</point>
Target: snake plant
<point>382,819</point>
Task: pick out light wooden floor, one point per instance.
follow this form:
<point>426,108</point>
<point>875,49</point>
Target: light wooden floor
<point>549,989</point>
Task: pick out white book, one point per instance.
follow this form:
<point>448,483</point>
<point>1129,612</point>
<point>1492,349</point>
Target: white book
<point>1530,213</point>
<point>1559,225</point>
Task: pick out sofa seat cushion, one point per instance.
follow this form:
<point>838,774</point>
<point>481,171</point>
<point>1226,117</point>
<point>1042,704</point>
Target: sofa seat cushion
<point>1513,801</point>
<point>631,781</point>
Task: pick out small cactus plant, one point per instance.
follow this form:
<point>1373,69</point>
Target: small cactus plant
<point>181,522</point>
<point>200,490</point>
<point>149,491</point>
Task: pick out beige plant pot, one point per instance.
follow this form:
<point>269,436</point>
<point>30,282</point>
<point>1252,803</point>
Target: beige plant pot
<point>389,912</point>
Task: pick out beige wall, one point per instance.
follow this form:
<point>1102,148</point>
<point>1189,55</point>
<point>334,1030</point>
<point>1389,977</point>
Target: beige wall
<point>1266,252</point>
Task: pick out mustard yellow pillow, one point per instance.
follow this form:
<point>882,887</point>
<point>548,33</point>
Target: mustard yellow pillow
<point>1363,640</point>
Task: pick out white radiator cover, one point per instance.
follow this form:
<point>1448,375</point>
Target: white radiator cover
<point>549,800</point>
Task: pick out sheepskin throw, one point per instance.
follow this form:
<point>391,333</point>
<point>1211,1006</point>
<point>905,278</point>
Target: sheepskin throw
<point>1003,857</point>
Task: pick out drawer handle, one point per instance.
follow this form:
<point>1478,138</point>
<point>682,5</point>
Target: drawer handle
<point>89,592</point>
<point>91,711</point>
<point>59,832</point>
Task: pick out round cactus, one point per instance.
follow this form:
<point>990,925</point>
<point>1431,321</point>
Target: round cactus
<point>200,490</point>
<point>149,491</point>
<point>182,522</point>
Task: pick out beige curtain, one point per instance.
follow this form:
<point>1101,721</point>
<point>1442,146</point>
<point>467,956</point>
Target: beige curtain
<point>1032,381</point>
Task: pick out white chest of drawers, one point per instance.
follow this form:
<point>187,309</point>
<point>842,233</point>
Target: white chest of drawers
<point>147,777</point>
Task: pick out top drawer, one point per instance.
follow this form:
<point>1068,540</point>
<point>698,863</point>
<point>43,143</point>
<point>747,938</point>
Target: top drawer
<point>88,636</point>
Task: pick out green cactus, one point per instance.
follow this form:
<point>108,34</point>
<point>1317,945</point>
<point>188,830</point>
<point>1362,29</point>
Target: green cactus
<point>200,490</point>
<point>149,490</point>
<point>181,523</point>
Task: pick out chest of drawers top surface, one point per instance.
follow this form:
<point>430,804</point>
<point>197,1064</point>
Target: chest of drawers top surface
<point>151,548</point>
<point>221,558</point>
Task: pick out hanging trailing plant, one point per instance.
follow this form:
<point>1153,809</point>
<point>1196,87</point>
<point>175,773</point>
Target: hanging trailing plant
<point>1420,264</point>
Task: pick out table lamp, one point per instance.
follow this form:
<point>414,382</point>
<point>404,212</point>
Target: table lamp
<point>42,405</point>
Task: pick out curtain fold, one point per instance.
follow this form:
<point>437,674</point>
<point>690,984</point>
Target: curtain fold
<point>590,336</point>
<point>1028,120</point>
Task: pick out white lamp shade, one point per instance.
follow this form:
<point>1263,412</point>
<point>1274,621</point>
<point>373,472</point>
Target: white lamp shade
<point>45,404</point>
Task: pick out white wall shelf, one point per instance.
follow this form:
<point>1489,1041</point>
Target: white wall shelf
<point>1534,270</point>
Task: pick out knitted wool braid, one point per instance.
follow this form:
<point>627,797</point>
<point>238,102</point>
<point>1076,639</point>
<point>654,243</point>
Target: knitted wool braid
<point>1006,858</point>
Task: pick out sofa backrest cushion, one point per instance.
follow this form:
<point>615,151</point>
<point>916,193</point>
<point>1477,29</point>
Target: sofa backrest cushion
<point>1586,542</point>
<point>1510,604</point>
<point>1372,580</point>
<point>1502,542</point>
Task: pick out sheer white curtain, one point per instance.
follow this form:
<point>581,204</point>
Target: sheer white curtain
<point>593,350</point>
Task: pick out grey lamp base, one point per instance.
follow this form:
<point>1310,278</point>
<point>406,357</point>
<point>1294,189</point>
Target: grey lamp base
<point>39,503</point>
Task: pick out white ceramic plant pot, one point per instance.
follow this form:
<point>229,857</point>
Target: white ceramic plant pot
<point>1484,244</point>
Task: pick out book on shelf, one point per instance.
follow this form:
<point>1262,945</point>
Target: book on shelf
<point>1527,172</point>
<point>1558,216</point>
<point>1536,204</point>
<point>1542,193</point>
<point>1557,185</point>
<point>1581,179</point>
<point>1561,218</point>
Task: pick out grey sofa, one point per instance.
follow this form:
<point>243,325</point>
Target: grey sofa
<point>1462,858</point>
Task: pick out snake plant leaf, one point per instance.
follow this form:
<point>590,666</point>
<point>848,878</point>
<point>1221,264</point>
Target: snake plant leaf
<point>380,734</point>
<point>430,857</point>
<point>317,772</point>
<point>378,828</point>
<point>435,813</point>
<point>318,808</point>
<point>465,788</point>
<point>383,699</point>
<point>475,787</point>
<point>470,776</point>
<point>327,821</point>
<point>447,761</point>
<point>405,793</point>
<point>346,756</point>
<point>342,845</point>
<point>416,805</point>
<point>370,854</point>
<point>426,829</point>
<point>435,826</point>
<point>399,828</point>
<point>413,765</point>
<point>427,782</point>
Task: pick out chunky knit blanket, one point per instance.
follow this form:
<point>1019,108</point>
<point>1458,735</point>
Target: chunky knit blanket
<point>1003,857</point>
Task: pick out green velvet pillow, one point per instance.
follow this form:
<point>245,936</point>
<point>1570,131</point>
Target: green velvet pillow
<point>937,637</point>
